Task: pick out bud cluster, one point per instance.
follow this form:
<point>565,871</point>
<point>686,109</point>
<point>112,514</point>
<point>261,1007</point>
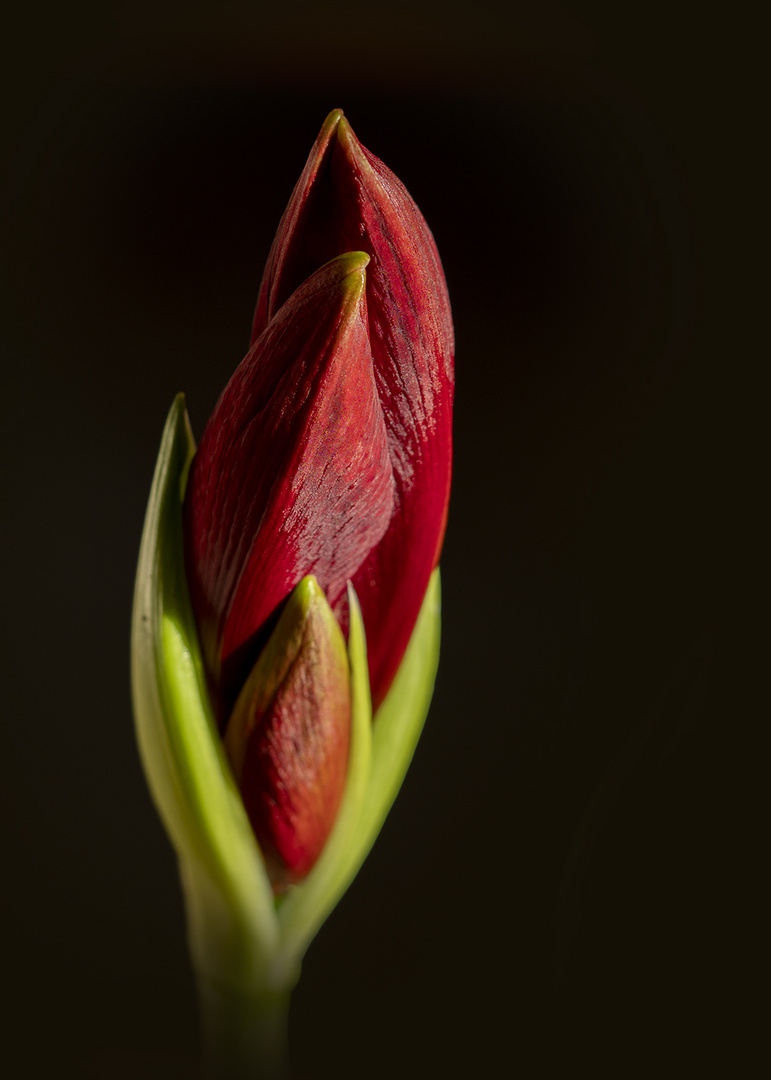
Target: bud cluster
<point>326,461</point>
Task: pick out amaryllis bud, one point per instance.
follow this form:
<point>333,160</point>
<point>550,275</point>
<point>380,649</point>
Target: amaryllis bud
<point>328,454</point>
<point>288,582</point>
<point>292,476</point>
<point>287,738</point>
<point>346,199</point>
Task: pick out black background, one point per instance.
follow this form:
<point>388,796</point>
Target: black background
<point>554,891</point>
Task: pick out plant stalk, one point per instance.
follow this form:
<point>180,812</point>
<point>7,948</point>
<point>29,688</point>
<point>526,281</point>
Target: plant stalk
<point>245,1032</point>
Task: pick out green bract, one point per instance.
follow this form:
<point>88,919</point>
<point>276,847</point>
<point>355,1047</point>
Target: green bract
<point>246,945</point>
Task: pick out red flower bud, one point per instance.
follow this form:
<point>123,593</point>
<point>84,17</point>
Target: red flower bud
<point>328,454</point>
<point>346,199</point>
<point>288,736</point>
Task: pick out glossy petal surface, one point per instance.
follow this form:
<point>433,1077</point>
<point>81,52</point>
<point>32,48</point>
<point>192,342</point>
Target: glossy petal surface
<point>293,475</point>
<point>347,199</point>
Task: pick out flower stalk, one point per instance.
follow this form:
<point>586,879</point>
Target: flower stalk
<point>264,579</point>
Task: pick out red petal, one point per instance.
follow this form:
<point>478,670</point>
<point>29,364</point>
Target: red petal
<point>288,738</point>
<point>347,198</point>
<point>292,476</point>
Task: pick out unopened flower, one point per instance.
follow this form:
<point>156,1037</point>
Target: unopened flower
<point>285,632</point>
<point>328,454</point>
<point>345,201</point>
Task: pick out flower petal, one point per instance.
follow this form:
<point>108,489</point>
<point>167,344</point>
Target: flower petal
<point>292,476</point>
<point>347,198</point>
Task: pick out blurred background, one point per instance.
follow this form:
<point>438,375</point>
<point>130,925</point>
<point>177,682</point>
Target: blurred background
<point>552,891</point>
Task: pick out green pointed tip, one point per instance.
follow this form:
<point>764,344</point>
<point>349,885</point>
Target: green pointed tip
<point>307,600</point>
<point>350,145</point>
<point>353,271</point>
<point>332,120</point>
<point>320,619</point>
<point>346,273</point>
<point>352,263</point>
<point>301,600</point>
<point>325,139</point>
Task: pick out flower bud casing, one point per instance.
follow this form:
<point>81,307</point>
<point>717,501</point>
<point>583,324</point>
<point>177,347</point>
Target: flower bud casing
<point>287,738</point>
<point>347,199</point>
<point>232,922</point>
<point>328,454</point>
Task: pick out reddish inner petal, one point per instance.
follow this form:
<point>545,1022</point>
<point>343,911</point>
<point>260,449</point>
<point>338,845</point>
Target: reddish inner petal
<point>295,765</point>
<point>348,198</point>
<point>293,474</point>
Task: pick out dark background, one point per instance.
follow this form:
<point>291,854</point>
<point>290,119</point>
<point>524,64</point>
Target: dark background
<point>555,890</point>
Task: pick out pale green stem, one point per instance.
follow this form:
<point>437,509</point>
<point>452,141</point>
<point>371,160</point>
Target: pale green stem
<point>245,1032</point>
<point>244,1002</point>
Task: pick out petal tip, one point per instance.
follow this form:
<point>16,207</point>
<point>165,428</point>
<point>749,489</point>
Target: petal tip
<point>349,144</point>
<point>353,262</point>
<point>304,595</point>
<point>333,119</point>
<point>351,268</point>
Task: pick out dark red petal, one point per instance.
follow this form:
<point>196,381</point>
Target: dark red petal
<point>347,198</point>
<point>289,735</point>
<point>292,476</point>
